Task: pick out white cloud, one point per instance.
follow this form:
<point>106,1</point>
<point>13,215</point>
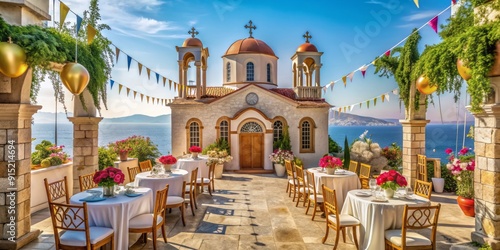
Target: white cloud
<point>385,5</point>
<point>421,15</point>
<point>152,26</point>
<point>192,22</point>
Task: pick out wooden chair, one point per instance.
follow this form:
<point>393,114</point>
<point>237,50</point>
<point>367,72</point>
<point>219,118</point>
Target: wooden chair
<point>145,165</point>
<point>190,189</point>
<point>364,175</point>
<point>421,167</point>
<point>292,180</point>
<point>209,182</point>
<point>132,172</point>
<point>178,201</point>
<point>414,218</point>
<point>72,231</point>
<point>87,181</point>
<point>353,166</point>
<point>336,221</point>
<point>302,188</point>
<point>314,198</point>
<point>423,189</point>
<point>151,222</point>
<point>57,190</point>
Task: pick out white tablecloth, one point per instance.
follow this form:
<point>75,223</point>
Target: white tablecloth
<point>116,212</point>
<point>190,164</point>
<point>376,217</point>
<point>174,181</point>
<point>342,183</point>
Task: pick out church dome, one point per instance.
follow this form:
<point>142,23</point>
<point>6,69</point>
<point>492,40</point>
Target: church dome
<point>307,47</point>
<point>249,46</point>
<point>192,42</point>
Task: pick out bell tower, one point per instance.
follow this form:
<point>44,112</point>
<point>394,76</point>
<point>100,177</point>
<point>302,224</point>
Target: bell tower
<point>306,66</point>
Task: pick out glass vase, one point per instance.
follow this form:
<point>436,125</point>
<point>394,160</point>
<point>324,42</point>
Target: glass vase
<point>108,191</point>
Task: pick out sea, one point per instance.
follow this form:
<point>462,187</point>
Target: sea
<point>439,137</point>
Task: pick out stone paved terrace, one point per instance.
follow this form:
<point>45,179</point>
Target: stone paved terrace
<point>254,212</point>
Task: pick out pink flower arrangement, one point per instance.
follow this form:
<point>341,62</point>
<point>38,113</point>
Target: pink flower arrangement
<point>462,167</point>
<point>167,159</point>
<point>392,179</point>
<point>195,149</point>
<point>329,161</point>
<point>109,176</point>
<point>122,146</point>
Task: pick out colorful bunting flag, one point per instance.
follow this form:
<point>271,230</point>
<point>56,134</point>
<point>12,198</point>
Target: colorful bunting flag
<point>374,101</point>
<point>128,91</point>
<point>170,84</point>
<point>90,34</point>
<point>164,81</point>
<point>382,97</point>
<point>363,70</point>
<point>117,53</point>
<point>147,99</point>
<point>129,60</point>
<point>454,2</point>
<point>416,3</point>
<point>135,93</point>
<point>433,23</point>
<point>140,67</point>
<point>119,88</point>
<point>331,85</point>
<point>368,104</point>
<point>142,97</point>
<point>387,53</point>
<point>351,75</point>
<point>63,12</point>
<point>111,82</point>
<point>344,79</point>
<point>157,78</point>
<point>387,97</point>
<point>149,73</point>
<point>78,23</point>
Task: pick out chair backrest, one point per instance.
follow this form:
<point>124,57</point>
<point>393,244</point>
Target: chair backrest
<point>416,218</point>
<point>353,166</point>
<point>194,176</point>
<point>211,171</point>
<point>160,203</point>
<point>69,217</point>
<point>145,165</point>
<point>289,169</point>
<point>132,172</point>
<point>421,167</point>
<point>56,190</point>
<point>311,184</point>
<point>300,175</point>
<point>330,202</point>
<point>423,189</point>
<point>364,171</point>
<point>87,181</point>
<point>365,182</point>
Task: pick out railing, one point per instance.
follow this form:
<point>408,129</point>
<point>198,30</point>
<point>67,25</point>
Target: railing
<point>308,92</point>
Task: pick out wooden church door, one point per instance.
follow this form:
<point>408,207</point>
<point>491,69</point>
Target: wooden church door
<point>251,146</point>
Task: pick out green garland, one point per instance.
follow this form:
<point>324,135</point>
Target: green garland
<point>45,45</point>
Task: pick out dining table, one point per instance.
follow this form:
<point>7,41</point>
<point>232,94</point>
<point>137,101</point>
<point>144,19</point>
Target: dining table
<point>158,182</point>
<point>189,164</point>
<point>377,214</point>
<point>116,211</point>
<point>342,181</point>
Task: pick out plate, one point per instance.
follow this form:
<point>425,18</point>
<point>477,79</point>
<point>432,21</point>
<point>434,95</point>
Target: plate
<point>364,194</point>
<point>380,200</point>
<point>93,199</point>
<point>133,194</point>
<point>97,192</point>
<point>411,197</point>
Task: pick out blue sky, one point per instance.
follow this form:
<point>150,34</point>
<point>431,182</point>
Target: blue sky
<point>350,33</point>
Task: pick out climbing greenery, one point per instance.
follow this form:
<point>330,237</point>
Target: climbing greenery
<point>44,45</point>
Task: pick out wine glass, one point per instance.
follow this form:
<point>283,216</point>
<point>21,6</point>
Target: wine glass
<point>373,185</point>
<point>409,192</point>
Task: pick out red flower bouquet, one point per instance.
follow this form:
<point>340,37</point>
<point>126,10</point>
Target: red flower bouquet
<point>195,149</point>
<point>391,180</point>
<point>167,159</point>
<point>109,177</point>
<point>329,161</point>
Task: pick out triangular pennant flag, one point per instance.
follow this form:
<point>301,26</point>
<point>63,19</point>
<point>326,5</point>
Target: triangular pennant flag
<point>382,97</point>
<point>128,91</point>
<point>164,81</point>
<point>140,67</point>
<point>157,101</point>
<point>135,93</point>
<point>360,104</point>
<point>433,23</point>
<point>147,99</point>
<point>111,82</point>
<point>374,101</point>
<point>387,53</point>
<point>352,107</point>
<point>416,3</point>
<point>142,97</point>
<point>170,84</point>
<point>90,34</point>
<point>387,97</point>
<point>454,2</point>
<point>157,78</point>
<point>340,110</point>
<point>149,72</point>
<point>117,53</point>
<point>78,23</point>
<point>324,90</point>
<point>175,86</point>
<point>153,100</point>
<point>331,85</point>
<point>351,75</point>
<point>344,79</point>
<point>395,91</point>
<point>345,109</point>
<point>363,70</point>
<point>119,88</point>
<point>63,12</point>
<point>162,101</point>
<point>368,104</point>
<point>129,60</point>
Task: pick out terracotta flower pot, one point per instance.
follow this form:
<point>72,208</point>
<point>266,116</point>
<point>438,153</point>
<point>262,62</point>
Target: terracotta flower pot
<point>467,206</point>
<point>124,156</point>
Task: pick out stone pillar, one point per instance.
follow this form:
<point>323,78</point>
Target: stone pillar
<point>413,144</point>
<point>181,74</point>
<point>487,172</point>
<point>185,82</point>
<point>294,70</point>
<point>15,154</point>
<point>301,75</point>
<point>204,81</point>
<point>198,80</point>
<point>318,76</point>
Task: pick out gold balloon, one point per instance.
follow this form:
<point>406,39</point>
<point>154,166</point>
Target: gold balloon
<point>463,71</point>
<point>424,87</point>
<point>75,77</point>
<point>12,60</point>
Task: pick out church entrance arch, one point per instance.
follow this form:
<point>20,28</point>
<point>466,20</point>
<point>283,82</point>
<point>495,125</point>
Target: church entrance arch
<point>251,146</point>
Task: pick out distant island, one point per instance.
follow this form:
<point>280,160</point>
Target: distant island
<point>48,117</point>
<point>345,119</point>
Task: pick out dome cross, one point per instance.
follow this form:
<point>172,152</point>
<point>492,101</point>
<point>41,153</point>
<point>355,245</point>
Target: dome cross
<point>250,27</point>
<point>307,36</point>
<point>193,32</point>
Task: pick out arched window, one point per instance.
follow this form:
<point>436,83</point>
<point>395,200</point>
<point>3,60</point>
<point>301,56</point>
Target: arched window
<point>268,72</point>
<point>194,130</point>
<point>251,127</point>
<point>306,130</point>
<point>250,71</point>
<point>277,131</point>
<point>224,130</point>
<point>228,72</point>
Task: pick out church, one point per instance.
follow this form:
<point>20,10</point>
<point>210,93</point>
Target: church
<point>249,110</point>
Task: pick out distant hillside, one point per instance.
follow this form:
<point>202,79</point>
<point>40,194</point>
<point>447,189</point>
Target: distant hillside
<point>356,120</point>
<point>47,117</point>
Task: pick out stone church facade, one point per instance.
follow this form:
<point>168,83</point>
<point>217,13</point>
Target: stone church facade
<point>249,110</point>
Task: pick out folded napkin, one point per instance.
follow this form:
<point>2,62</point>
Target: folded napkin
<point>92,199</point>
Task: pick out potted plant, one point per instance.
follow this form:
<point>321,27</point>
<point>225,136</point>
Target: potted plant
<point>167,161</point>
<point>194,150</point>
<point>330,163</point>
<point>48,154</point>
<point>108,178</point>
<point>278,157</point>
<point>122,148</point>
<point>218,157</point>
<point>462,167</point>
<point>390,181</point>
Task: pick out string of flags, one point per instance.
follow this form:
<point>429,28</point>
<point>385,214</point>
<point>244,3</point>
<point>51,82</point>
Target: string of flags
<point>135,93</point>
<point>383,97</point>
<point>432,23</point>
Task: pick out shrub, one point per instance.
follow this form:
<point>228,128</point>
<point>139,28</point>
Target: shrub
<point>333,146</point>
<point>48,154</point>
<point>219,145</point>
<point>450,184</point>
<point>142,148</point>
<point>107,157</point>
<point>394,156</point>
